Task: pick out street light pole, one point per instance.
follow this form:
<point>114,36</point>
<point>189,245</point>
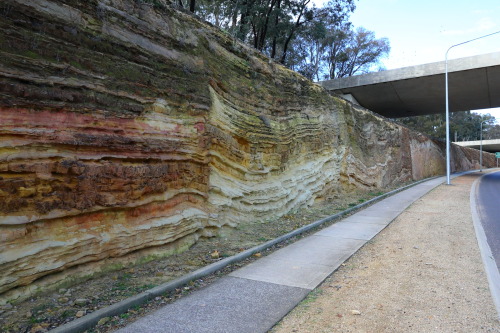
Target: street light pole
<point>447,118</point>
<point>481,147</point>
<point>447,105</point>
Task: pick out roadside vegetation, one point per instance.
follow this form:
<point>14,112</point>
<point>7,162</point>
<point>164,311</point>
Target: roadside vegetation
<point>464,126</point>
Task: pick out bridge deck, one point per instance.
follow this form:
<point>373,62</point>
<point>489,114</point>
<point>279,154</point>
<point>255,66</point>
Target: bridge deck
<point>474,83</point>
<point>491,146</point>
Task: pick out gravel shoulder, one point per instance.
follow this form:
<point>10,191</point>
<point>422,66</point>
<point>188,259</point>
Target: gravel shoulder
<point>423,273</point>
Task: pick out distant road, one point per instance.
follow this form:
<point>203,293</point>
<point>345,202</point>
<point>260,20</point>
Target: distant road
<point>488,202</point>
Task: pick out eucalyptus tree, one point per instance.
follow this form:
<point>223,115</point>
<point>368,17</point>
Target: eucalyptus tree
<point>351,52</point>
<point>317,42</point>
<point>330,47</point>
<point>191,4</point>
<point>271,26</point>
<point>464,125</point>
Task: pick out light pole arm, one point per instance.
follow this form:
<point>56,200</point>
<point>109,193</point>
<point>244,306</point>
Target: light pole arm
<point>448,162</point>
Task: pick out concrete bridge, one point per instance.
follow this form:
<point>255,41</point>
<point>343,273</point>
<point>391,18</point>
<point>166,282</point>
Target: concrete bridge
<point>474,83</point>
<point>491,146</point>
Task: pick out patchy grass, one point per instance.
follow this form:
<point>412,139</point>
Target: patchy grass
<point>310,298</point>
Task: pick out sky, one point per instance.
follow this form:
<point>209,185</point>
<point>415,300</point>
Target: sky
<point>421,31</point>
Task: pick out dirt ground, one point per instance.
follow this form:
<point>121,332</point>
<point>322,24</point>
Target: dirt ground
<point>423,273</point>
<point>52,309</point>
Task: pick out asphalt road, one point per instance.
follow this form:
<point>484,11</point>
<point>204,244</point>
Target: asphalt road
<point>488,201</point>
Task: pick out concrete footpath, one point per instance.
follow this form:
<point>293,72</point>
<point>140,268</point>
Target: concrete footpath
<point>254,298</point>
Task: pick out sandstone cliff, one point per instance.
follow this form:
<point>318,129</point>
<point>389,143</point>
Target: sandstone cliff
<point>127,125</point>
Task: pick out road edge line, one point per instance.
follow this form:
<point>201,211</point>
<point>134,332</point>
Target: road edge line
<point>487,256</point>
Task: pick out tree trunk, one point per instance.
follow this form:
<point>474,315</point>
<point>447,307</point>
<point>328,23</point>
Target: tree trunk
<point>192,5</point>
<point>263,31</point>
<point>275,39</point>
<point>292,31</point>
<point>245,12</point>
<point>255,38</point>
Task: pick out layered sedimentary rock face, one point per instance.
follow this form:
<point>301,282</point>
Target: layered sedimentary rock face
<point>124,126</point>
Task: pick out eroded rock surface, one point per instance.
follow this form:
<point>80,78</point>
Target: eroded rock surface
<point>127,126</point>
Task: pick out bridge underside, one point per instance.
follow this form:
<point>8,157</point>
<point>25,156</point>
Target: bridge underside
<point>474,83</point>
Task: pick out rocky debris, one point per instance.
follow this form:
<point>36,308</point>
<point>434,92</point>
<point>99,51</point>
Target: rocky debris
<point>215,254</point>
<point>63,299</point>
<point>38,329</point>
<point>6,306</point>
<point>103,321</point>
<point>81,301</point>
<point>80,314</point>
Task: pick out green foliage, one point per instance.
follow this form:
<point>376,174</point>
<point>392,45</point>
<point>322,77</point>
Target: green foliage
<point>120,286</point>
<point>144,287</point>
<point>330,49</point>
<point>68,314</point>
<point>319,43</point>
<point>464,126</point>
<point>311,297</point>
<point>492,132</point>
<point>31,54</point>
<point>275,27</point>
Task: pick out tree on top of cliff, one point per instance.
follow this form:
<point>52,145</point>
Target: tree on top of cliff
<point>271,26</point>
<point>320,43</point>
<point>268,25</point>
<point>332,48</point>
<point>191,4</point>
